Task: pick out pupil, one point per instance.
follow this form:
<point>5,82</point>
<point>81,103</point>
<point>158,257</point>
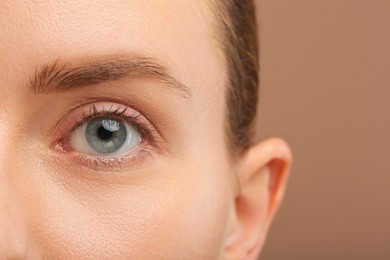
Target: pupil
<point>104,134</point>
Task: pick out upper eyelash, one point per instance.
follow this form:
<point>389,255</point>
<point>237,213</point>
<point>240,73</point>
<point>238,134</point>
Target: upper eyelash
<point>119,112</point>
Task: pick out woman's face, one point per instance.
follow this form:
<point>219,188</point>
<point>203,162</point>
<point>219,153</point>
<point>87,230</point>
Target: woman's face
<point>112,129</point>
<point>151,68</point>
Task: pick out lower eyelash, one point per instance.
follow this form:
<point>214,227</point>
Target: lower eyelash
<point>114,163</point>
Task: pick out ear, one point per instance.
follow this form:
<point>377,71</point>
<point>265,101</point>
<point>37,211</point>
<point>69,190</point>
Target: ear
<point>262,175</point>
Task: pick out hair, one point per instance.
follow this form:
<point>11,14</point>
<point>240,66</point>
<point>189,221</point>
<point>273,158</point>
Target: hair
<point>238,29</point>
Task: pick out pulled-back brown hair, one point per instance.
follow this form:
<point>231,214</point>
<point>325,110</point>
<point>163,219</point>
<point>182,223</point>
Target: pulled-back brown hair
<point>237,20</point>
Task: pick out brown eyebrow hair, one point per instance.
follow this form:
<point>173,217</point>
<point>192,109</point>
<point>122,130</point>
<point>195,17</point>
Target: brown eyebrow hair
<point>60,76</point>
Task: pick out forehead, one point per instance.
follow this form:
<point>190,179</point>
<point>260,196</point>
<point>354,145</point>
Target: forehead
<point>180,32</point>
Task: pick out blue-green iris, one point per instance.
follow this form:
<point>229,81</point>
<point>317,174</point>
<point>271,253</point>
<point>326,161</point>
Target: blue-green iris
<point>106,135</point>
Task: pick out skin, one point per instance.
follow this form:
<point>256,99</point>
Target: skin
<point>183,196</point>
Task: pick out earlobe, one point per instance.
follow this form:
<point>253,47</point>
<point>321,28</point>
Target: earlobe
<point>262,175</point>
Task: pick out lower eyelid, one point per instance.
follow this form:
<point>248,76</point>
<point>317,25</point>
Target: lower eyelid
<point>128,160</point>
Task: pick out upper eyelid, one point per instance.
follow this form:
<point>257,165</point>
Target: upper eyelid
<point>73,118</point>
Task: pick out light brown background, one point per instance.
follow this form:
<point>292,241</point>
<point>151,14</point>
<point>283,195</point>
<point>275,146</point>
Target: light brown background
<point>325,88</point>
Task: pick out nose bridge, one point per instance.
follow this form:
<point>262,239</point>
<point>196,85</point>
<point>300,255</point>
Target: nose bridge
<point>12,228</point>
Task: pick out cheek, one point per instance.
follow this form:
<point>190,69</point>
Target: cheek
<point>177,212</point>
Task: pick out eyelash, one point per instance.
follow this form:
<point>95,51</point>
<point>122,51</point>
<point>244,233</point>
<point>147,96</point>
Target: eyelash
<point>121,112</point>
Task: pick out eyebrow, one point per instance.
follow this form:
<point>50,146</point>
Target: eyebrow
<point>59,76</point>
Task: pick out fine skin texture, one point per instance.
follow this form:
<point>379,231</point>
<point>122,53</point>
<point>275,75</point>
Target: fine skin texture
<point>178,194</point>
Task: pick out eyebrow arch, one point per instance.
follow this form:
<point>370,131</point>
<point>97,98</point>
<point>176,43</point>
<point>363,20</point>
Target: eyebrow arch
<point>58,76</point>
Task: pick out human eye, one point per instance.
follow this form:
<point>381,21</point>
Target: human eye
<point>106,136</point>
